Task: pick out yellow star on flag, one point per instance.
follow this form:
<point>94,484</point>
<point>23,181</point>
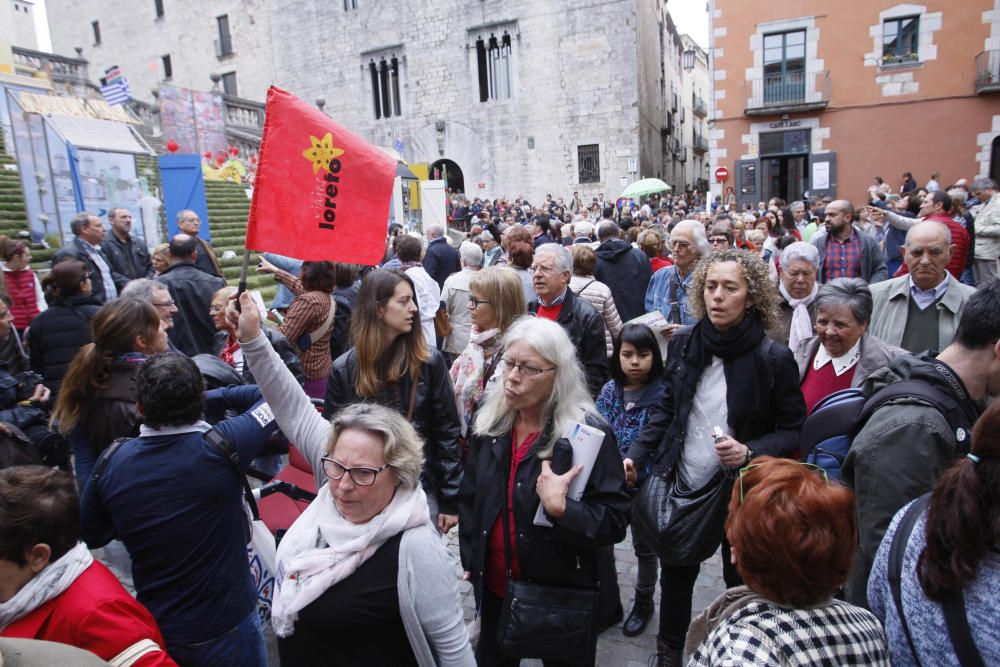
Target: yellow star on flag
<point>321,152</point>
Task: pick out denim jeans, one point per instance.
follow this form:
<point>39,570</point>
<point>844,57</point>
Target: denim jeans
<point>242,646</point>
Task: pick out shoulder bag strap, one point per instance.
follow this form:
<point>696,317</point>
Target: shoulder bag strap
<point>958,631</point>
<point>895,567</point>
<point>224,447</point>
<point>102,460</point>
<point>319,333</point>
<point>584,288</point>
<point>414,381</point>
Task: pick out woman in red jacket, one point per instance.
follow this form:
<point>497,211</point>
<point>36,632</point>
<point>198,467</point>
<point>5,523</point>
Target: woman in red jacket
<point>23,285</point>
<point>51,588</point>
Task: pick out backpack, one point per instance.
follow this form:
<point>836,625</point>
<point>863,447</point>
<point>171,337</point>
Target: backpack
<point>830,429</point>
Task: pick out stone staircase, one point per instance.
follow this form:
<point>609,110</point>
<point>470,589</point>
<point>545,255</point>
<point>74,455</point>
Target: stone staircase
<point>228,209</point>
<point>13,212</point>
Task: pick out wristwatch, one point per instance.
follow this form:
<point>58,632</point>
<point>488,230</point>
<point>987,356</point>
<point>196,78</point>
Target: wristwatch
<point>749,456</point>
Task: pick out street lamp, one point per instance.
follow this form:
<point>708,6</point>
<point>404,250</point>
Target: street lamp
<point>687,59</point>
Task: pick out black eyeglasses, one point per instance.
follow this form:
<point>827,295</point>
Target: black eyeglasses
<point>171,302</point>
<point>474,302</point>
<point>360,475</point>
<point>527,371</point>
<point>719,240</point>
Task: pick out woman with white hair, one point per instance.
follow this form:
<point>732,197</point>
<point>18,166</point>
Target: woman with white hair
<point>519,461</point>
<point>668,290</point>
<point>798,288</point>
<point>363,576</point>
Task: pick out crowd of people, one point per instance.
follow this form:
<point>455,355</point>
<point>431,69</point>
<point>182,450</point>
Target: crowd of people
<point>551,380</point>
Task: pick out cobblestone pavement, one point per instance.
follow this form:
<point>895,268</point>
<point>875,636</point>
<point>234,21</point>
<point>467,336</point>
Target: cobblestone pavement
<point>613,648</point>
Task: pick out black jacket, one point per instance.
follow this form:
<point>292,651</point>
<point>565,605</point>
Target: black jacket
<point>585,327</point>
<point>567,553</point>
<point>434,416</point>
<point>441,260</point>
<point>129,258</point>
<point>626,270</point>
<point>280,345</point>
<point>77,249</point>
<point>57,334</point>
<point>773,429</point>
<point>345,298</point>
<point>192,290</point>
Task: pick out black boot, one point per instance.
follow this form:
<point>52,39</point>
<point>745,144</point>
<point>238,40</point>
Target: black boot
<point>666,656</point>
<point>638,618</point>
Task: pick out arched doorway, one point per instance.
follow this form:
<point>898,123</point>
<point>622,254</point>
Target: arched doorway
<point>995,159</point>
<point>450,173</point>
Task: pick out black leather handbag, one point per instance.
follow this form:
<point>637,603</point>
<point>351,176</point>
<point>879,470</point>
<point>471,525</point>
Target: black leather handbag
<point>542,621</point>
<point>684,526</point>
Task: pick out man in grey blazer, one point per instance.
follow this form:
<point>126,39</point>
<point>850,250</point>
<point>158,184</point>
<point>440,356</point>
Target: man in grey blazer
<point>920,311</point>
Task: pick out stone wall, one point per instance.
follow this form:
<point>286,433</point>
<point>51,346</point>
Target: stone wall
<point>576,68</point>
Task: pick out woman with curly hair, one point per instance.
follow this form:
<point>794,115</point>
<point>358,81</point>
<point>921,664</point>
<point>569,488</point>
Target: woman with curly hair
<point>731,394</point>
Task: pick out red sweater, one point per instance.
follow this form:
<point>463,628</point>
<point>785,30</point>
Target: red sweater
<point>817,385</point>
<point>496,575</point>
<point>96,614</point>
<point>960,239</point>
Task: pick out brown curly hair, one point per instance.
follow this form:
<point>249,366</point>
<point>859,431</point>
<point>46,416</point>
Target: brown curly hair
<point>763,295</point>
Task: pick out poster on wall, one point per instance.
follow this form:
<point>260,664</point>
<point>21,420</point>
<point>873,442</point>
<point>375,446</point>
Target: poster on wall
<point>193,119</point>
<point>107,180</point>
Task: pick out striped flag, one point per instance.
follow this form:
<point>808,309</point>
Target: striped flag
<point>117,92</point>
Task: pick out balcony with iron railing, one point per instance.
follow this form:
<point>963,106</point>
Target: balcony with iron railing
<point>788,92</point>
<point>700,143</point>
<point>699,107</point>
<point>988,72</point>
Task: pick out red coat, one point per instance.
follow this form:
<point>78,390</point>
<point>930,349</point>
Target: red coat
<point>959,238</point>
<point>97,614</point>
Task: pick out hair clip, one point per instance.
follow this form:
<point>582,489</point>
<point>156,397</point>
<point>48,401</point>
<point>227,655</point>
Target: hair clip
<point>975,459</point>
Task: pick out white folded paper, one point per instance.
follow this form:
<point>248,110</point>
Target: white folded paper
<point>586,443</point>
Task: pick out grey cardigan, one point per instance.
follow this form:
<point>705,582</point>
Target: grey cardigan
<point>875,354</point>
<point>427,584</point>
<point>892,303</point>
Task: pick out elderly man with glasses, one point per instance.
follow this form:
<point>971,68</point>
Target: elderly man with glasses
<point>551,271</point>
<point>667,291</point>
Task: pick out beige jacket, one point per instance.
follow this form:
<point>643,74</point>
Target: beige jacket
<point>892,302</point>
<point>598,295</point>
<point>988,229</point>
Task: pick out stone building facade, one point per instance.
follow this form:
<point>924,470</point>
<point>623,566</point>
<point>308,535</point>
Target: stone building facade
<point>500,97</point>
<point>820,98</point>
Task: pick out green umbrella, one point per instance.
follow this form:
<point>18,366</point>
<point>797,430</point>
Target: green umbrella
<point>646,186</point>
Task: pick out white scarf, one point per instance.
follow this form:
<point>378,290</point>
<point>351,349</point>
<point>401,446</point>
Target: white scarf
<point>802,326</point>
<point>322,548</point>
<point>46,585</point>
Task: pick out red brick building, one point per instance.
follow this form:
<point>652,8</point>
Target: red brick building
<point>820,98</point>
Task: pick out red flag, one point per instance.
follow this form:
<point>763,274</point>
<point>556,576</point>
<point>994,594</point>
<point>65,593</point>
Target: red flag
<point>321,191</point>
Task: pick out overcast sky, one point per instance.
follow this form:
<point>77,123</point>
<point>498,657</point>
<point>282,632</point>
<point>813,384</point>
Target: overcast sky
<point>691,17</point>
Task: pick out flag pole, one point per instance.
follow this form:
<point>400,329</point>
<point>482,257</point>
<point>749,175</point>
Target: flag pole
<point>243,277</point>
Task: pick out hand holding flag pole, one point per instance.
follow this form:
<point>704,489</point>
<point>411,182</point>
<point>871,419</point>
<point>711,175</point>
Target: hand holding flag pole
<point>243,278</point>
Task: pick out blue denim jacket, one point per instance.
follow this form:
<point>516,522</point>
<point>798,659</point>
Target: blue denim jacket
<point>658,294</point>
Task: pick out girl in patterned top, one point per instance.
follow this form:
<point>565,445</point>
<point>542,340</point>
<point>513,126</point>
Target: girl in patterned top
<point>625,403</point>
